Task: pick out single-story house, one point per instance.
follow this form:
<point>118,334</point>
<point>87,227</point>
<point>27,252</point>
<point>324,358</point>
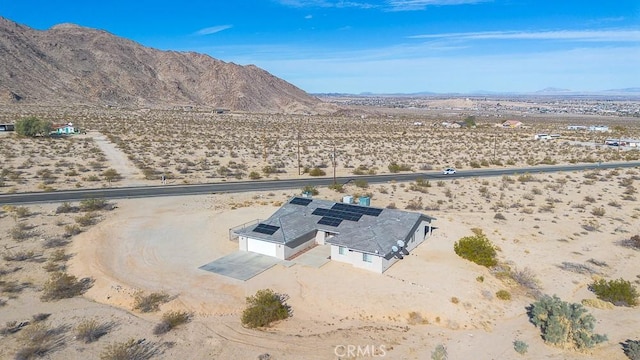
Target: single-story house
<point>365,237</point>
<point>63,129</point>
<point>602,128</point>
<point>577,127</point>
<point>511,124</point>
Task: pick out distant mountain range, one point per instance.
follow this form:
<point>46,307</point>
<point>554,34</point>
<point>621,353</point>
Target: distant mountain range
<point>631,92</point>
<point>69,64</point>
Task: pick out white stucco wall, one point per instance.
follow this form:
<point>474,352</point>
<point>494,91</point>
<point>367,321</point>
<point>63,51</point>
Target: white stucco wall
<point>242,243</point>
<point>355,259</point>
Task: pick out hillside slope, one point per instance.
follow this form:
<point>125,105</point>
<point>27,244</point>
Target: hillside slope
<point>68,64</point>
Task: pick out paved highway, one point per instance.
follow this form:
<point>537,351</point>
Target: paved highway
<point>234,187</point>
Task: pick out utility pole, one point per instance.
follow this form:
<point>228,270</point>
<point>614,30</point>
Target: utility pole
<point>334,164</point>
<point>299,167</point>
<point>494,147</point>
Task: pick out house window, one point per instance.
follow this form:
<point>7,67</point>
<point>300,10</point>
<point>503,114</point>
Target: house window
<point>342,250</point>
<point>367,258</point>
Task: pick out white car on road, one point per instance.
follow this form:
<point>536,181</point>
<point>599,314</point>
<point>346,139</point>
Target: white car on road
<point>449,171</point>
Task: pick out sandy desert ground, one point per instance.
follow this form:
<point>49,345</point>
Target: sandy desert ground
<point>552,225</point>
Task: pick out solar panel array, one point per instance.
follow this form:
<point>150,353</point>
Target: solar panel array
<point>331,221</point>
<point>338,214</point>
<point>266,229</point>
<point>300,201</point>
<point>341,211</point>
<point>357,209</point>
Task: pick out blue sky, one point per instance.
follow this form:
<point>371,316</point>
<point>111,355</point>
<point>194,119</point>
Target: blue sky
<point>386,46</point>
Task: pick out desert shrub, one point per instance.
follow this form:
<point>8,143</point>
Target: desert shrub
<point>58,255</point>
<point>254,175</point>
<point>66,208</point>
<point>52,266</point>
<point>265,307</point>
<point>19,255</point>
<point>361,183</point>
<point>91,330</point>
<point>111,175</point>
<point>86,219</point>
<point>598,304</point>
<point>527,279</point>
<point>12,287</point>
<point>599,211</point>
<point>93,204</point>
<point>151,302</point>
<point>62,286</point>
<point>394,167</point>
<point>310,189</point>
<point>520,347</point>
<point>440,353</point>
<point>39,339</point>
<point>32,127</point>
<point>631,348</point>
<point>564,324</point>
<point>22,211</point>
<point>170,320</point>
<point>477,249</point>
<point>316,171</point>
<point>416,318</point>
<point>70,230</point>
<point>499,216</point>
<point>577,268</point>
<point>40,317</point>
<point>20,232</point>
<point>54,242</point>
<point>632,242</point>
<point>131,349</point>
<point>619,292</point>
<point>503,295</point>
<point>337,187</point>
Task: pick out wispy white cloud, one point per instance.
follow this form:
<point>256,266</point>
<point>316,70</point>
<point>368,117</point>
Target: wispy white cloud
<point>326,4</point>
<point>412,5</point>
<point>388,5</point>
<point>213,29</point>
<point>575,35</point>
<point>308,17</point>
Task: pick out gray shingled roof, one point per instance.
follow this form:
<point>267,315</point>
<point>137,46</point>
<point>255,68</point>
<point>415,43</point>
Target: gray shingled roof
<point>371,234</point>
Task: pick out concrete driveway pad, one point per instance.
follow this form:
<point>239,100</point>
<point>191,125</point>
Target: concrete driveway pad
<point>241,265</point>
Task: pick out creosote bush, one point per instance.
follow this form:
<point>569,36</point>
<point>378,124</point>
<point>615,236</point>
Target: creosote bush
<point>170,320</point>
<point>310,189</point>
<point>520,347</point>
<point>476,248</point>
<point>265,307</point>
<point>316,171</point>
<point>149,303</point>
<point>631,348</point>
<point>620,292</point>
<point>89,331</point>
<point>62,286</point>
<point>503,295</point>
<point>440,353</point>
<point>93,204</point>
<point>131,349</point>
<point>564,324</point>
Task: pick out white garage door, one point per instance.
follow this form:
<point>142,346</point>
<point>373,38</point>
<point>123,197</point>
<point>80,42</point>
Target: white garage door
<point>261,247</point>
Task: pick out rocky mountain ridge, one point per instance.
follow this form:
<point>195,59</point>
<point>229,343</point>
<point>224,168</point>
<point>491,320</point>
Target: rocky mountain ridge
<point>68,64</point>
